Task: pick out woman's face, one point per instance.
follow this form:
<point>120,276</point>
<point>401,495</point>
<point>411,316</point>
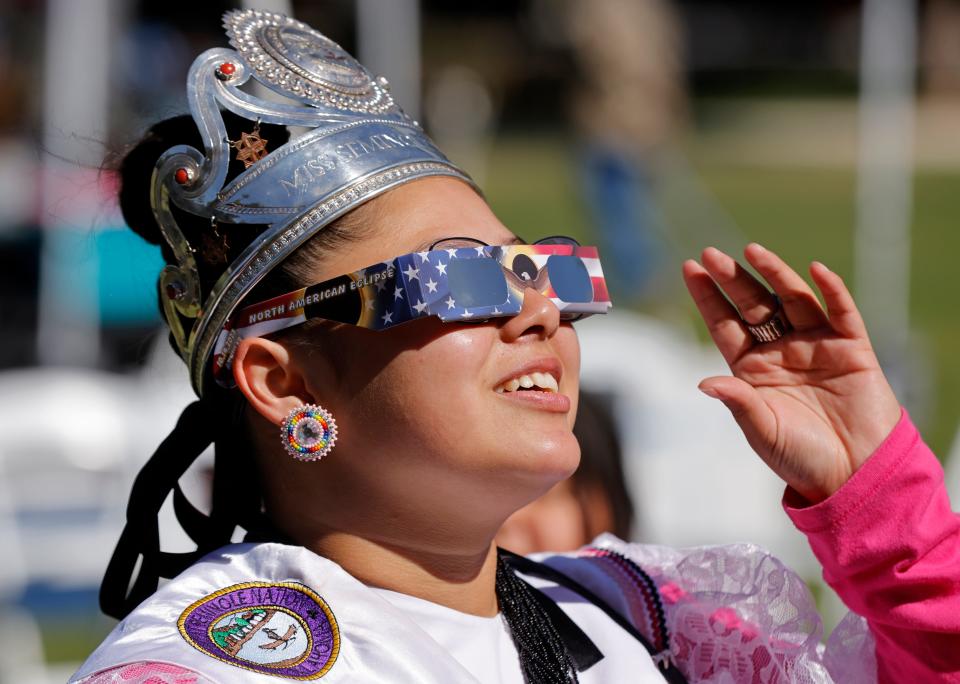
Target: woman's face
<point>422,425</point>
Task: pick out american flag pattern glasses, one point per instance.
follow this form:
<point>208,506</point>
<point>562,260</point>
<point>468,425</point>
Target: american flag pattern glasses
<point>461,283</point>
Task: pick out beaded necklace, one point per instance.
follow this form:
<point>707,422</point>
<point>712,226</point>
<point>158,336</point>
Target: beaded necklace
<point>543,657</point>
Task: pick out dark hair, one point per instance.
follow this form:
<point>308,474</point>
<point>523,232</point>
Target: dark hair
<point>124,586</point>
<point>601,460</point>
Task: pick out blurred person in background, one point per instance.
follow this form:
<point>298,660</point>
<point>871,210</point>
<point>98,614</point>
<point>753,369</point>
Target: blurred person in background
<point>590,502</point>
<point>627,105</point>
<point>342,280</point>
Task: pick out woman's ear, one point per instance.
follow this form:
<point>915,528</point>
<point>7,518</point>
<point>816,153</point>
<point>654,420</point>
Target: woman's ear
<point>269,378</point>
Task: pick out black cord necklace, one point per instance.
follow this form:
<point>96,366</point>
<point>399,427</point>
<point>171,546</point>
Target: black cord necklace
<point>543,656</point>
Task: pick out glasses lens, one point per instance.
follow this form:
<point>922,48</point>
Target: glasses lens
<point>457,243</point>
<point>476,282</point>
<point>558,240</point>
<point>570,278</point>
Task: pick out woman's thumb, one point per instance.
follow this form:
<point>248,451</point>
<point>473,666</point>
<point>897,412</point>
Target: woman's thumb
<point>748,408</point>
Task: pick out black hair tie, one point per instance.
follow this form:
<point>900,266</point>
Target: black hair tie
<point>141,534</point>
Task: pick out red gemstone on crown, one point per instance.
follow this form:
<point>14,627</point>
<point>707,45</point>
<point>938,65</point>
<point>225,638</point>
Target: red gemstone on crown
<point>226,70</point>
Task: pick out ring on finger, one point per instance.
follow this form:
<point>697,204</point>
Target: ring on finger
<point>772,329</point>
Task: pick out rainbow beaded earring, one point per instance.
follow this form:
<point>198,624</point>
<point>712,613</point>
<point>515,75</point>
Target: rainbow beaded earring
<point>308,432</point>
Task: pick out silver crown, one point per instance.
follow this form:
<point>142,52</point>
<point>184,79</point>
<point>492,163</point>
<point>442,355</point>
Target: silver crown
<point>358,144</point>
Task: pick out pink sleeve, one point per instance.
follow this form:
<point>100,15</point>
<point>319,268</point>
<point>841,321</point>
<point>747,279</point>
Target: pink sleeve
<point>890,546</point>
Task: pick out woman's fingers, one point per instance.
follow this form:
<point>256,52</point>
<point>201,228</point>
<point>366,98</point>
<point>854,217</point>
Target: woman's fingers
<point>845,318</point>
<point>751,297</point>
<point>721,277</point>
<point>722,320</point>
<point>799,303</point>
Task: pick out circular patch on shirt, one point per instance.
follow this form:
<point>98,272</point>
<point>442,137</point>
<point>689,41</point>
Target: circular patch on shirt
<point>281,628</point>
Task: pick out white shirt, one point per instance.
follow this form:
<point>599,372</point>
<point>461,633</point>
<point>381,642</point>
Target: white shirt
<point>482,645</point>
<point>270,612</point>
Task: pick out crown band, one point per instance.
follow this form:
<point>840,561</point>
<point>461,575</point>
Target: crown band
<point>360,144</point>
<point>303,172</point>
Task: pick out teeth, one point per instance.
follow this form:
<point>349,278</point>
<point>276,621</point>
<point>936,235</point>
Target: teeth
<point>545,381</point>
<point>542,381</point>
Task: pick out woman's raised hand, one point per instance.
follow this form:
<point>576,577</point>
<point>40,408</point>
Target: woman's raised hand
<point>813,404</point>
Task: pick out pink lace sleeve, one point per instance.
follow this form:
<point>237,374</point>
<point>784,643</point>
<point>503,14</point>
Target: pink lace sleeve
<point>737,614</point>
<point>147,672</point>
<point>850,655</point>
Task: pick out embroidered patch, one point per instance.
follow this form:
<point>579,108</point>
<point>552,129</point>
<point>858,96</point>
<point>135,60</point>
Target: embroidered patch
<point>283,629</point>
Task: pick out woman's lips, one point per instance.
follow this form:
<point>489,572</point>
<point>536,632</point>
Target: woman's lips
<point>545,401</point>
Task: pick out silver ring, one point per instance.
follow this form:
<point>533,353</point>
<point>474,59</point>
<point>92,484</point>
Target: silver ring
<point>772,329</point>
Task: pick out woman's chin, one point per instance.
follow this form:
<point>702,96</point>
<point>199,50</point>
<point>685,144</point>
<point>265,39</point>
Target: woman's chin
<point>547,459</point>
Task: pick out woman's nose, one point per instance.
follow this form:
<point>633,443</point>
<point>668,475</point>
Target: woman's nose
<point>538,315</point>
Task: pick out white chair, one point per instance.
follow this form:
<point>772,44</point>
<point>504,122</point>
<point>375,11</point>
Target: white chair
<point>71,442</point>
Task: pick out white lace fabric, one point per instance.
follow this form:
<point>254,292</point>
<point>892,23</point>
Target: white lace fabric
<point>737,615</point>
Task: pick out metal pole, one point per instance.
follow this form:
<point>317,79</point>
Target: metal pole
<point>885,177</point>
<point>75,120</point>
<point>388,42</point>
<point>278,6</point>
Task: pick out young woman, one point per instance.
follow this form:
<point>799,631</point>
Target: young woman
<point>351,287</point>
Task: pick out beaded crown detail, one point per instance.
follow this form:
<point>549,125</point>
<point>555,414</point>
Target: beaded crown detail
<point>356,143</point>
<point>309,433</point>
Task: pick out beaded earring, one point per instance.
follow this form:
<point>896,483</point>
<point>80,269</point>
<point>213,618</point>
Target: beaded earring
<point>308,432</point>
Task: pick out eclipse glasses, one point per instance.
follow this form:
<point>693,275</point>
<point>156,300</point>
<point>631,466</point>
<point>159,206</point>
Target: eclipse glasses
<point>457,280</point>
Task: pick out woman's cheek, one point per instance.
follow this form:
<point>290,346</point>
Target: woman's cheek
<point>469,343</point>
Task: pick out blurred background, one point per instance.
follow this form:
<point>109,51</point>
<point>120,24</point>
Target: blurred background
<point>653,128</point>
